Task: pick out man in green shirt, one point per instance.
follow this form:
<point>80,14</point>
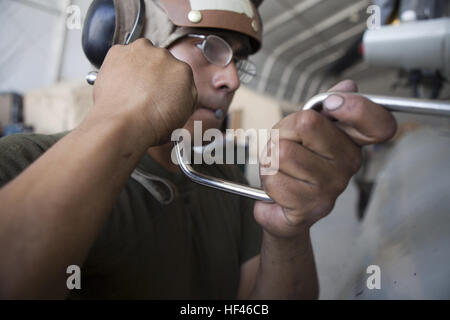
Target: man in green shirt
<point>108,198</point>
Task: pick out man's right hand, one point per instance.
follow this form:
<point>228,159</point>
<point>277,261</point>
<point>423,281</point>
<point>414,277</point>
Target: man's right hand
<point>147,87</point>
<point>53,211</point>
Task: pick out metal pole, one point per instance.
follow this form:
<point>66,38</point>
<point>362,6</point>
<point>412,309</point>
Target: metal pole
<point>408,105</point>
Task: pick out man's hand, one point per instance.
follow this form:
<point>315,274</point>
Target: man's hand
<point>147,87</point>
<point>50,221</point>
<point>319,153</point>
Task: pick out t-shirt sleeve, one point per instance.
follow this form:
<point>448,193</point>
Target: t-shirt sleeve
<point>18,151</point>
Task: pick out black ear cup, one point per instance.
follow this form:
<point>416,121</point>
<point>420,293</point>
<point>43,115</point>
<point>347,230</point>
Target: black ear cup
<point>98,31</point>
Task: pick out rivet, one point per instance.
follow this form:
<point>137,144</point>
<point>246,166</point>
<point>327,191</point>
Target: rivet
<point>195,16</point>
<point>255,26</point>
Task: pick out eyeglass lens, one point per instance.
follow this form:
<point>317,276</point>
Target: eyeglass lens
<point>217,51</point>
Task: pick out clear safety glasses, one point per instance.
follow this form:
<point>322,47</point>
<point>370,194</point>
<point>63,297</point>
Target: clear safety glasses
<point>218,52</point>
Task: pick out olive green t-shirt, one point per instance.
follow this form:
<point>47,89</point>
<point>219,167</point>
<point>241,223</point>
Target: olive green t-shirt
<point>187,244</point>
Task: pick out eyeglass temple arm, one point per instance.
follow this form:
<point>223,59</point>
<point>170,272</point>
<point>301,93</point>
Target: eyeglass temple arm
<point>408,105</point>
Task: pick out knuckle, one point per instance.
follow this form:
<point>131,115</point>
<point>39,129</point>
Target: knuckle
<point>338,185</point>
<point>347,85</point>
<point>390,127</point>
<point>115,49</point>
<point>351,85</point>
<point>325,208</point>
<point>308,120</point>
<point>141,42</point>
<point>114,53</point>
<point>355,105</point>
<point>321,207</point>
<point>284,151</point>
<point>386,126</point>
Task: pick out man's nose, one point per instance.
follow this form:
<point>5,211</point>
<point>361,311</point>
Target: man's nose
<point>227,78</point>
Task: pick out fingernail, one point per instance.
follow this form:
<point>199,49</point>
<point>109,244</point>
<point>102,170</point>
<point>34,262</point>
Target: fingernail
<point>333,102</point>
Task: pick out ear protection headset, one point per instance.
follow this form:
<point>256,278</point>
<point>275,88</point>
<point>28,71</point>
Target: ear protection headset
<point>99,27</point>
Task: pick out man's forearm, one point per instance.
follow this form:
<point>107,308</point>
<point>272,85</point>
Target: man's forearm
<point>52,212</point>
<point>287,269</point>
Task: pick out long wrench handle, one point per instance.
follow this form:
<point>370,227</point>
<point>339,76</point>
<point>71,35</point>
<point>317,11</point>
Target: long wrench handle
<point>397,104</point>
<point>408,105</point>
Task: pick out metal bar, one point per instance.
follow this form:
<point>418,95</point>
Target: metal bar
<point>396,104</point>
<point>408,105</point>
<point>220,184</point>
